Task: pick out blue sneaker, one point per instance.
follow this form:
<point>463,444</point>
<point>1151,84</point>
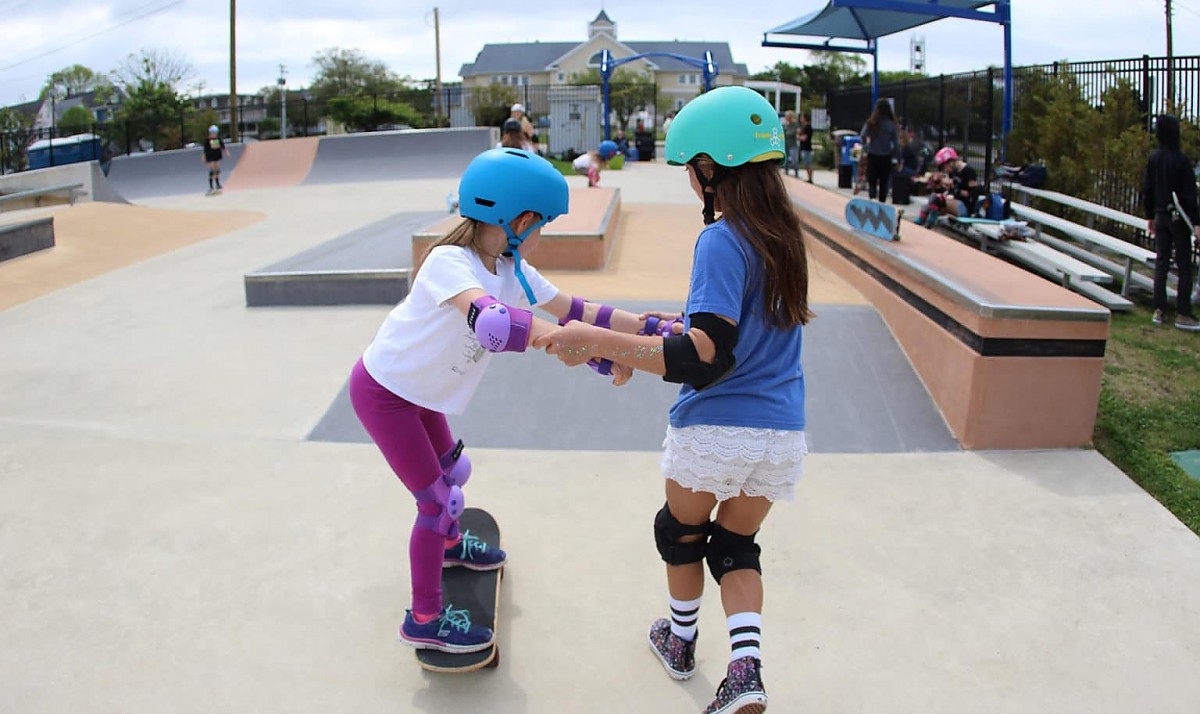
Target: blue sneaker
<point>452,632</point>
<point>474,554</point>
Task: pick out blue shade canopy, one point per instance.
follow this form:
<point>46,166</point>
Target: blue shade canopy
<point>872,20</point>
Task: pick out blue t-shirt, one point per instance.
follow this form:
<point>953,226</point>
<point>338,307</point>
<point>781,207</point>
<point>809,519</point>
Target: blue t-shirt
<point>766,387</point>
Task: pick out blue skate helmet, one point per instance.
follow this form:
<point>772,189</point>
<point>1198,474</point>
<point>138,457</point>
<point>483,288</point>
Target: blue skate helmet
<point>501,184</point>
<point>607,149</point>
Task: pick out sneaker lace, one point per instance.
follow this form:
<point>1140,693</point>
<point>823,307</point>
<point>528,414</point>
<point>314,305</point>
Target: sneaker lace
<point>472,545</point>
<point>458,619</point>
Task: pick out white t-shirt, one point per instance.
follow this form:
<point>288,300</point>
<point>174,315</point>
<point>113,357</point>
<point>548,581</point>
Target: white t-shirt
<point>424,351</point>
<point>583,162</point>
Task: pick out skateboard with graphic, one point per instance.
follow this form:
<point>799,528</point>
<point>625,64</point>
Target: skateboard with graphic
<point>881,220</point>
<point>478,592</point>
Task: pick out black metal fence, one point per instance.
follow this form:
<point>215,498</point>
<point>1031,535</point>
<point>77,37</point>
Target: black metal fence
<point>260,117</point>
<point>965,110</point>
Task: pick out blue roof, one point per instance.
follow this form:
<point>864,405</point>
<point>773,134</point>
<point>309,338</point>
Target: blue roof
<point>528,57</point>
<point>856,23</point>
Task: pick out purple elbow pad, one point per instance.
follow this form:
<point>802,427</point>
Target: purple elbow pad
<point>499,327</point>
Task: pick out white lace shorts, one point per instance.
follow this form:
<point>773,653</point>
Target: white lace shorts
<point>729,460</point>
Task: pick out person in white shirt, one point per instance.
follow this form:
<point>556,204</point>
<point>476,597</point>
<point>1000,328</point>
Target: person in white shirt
<point>470,299</point>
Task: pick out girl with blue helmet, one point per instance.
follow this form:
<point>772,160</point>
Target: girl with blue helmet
<point>591,163</point>
<point>735,441</point>
<point>471,298</point>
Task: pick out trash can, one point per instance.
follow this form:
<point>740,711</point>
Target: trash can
<point>901,189</point>
<point>846,163</point>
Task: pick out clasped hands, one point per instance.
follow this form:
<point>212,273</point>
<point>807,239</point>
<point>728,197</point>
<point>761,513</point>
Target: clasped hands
<point>576,343</point>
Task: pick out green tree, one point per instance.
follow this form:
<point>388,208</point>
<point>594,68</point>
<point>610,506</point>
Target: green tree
<point>75,120</point>
<point>153,107</point>
<point>369,113</point>
<point>14,133</point>
<point>490,104</point>
<point>629,91</point>
<point>75,80</point>
<point>342,72</point>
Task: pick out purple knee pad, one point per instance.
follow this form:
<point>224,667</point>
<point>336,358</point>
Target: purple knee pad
<point>499,327</point>
<point>456,467</point>
<point>446,491</point>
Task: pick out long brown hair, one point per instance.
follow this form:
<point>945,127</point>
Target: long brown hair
<point>463,234</point>
<point>883,110</point>
<point>752,198</point>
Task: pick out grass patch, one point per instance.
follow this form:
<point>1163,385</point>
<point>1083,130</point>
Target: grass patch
<point>1150,406</point>
<point>566,169</point>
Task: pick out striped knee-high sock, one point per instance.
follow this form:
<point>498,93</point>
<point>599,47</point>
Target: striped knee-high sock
<point>684,614</point>
<point>745,634</point>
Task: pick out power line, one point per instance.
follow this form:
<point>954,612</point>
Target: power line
<point>85,38</point>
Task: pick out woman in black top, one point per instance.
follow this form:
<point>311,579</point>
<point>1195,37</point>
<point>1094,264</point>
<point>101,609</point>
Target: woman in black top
<point>881,141</point>
<point>1169,198</point>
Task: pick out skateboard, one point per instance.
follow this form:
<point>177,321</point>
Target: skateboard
<point>472,590</point>
<point>213,192</point>
<point>881,220</point>
<point>1183,216</point>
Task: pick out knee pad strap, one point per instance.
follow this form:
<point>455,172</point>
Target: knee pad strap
<point>449,497</point>
<point>456,467</point>
<point>667,532</point>
<point>729,551</point>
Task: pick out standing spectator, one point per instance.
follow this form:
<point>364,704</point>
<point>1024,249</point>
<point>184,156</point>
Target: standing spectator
<point>906,169</point>
<point>881,142</point>
<point>1169,197</point>
<point>790,147</point>
<point>513,137</point>
<point>804,136</point>
<point>667,122</point>
<point>518,113</point>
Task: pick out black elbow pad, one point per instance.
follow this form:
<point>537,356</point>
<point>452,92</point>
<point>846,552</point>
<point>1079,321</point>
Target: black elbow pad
<point>683,362</point>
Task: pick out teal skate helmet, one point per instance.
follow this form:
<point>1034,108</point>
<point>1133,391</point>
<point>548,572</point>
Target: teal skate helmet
<point>501,184</point>
<point>732,126</point>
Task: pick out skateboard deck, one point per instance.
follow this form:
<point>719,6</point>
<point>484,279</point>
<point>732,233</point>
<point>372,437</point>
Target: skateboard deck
<point>881,220</point>
<point>475,591</point>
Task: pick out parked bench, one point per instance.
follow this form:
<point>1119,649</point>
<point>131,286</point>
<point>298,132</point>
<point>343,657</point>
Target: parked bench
<point>1130,252</point>
<point>71,191</point>
<point>1091,210</point>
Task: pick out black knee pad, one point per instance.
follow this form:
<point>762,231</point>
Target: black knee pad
<point>667,532</point>
<point>729,551</point>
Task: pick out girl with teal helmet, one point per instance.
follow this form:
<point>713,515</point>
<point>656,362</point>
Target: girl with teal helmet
<point>469,299</point>
<point>735,441</point>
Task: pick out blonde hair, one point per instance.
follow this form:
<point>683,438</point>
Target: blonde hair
<point>461,235</point>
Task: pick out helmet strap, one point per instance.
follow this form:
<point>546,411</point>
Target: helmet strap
<point>709,186</point>
<point>514,244</point>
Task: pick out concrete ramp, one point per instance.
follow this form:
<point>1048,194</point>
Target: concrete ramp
<point>166,173</point>
<point>96,186</point>
<point>273,164</point>
<point>398,155</point>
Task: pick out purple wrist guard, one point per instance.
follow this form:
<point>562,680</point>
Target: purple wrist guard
<point>499,327</point>
<point>662,328</point>
<point>603,319</point>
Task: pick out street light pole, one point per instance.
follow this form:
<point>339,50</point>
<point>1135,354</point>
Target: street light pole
<point>282,102</point>
<point>233,101</point>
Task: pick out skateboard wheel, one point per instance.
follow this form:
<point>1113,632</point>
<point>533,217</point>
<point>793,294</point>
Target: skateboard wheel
<point>495,659</point>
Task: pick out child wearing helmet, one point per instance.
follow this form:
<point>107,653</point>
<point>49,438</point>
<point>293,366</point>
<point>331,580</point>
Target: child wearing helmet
<point>471,297</point>
<point>214,151</point>
<point>735,441</point>
<point>955,188</point>
<point>589,164</point>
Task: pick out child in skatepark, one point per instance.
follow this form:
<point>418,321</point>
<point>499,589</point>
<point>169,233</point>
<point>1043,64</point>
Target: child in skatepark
<point>471,298</point>
<point>735,442</point>
<point>956,185</point>
<point>592,162</point>
<point>214,151</point>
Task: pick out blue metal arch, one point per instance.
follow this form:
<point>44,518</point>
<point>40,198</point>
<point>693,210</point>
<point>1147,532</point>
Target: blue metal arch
<point>608,64</point>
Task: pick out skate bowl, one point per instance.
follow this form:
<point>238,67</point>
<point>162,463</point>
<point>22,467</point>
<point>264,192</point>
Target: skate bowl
<point>398,155</point>
<point>166,173</point>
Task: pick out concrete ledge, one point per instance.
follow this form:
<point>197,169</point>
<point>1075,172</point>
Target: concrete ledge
<point>40,196</point>
<point>1012,361</point>
<point>367,266</point>
<point>583,239</point>
<point>27,237</point>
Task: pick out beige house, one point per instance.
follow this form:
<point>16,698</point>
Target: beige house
<point>545,64</point>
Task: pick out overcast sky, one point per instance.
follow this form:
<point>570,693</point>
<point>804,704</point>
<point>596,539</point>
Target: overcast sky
<point>41,36</point>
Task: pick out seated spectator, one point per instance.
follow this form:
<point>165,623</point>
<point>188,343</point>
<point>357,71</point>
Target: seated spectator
<point>954,188</point>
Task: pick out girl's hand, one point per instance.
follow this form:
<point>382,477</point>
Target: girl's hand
<point>621,374</point>
<point>676,328</point>
<point>573,343</point>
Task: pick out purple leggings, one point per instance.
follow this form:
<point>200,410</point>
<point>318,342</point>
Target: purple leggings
<point>411,439</point>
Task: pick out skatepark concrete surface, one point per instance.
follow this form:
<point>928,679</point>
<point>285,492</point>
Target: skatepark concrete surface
<point>176,536</point>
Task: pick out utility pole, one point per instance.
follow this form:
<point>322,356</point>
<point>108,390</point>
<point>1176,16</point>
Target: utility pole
<point>282,102</point>
<point>233,100</point>
<point>1170,62</point>
<point>437,82</point>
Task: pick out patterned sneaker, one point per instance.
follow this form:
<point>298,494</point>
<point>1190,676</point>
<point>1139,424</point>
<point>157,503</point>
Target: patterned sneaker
<point>474,554</point>
<point>678,656</point>
<point>1157,317</point>
<point>1187,323</point>
<point>741,692</point>
<point>452,631</point>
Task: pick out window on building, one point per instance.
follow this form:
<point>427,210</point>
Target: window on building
<point>594,60</point>
<point>683,79</point>
<point>562,77</point>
